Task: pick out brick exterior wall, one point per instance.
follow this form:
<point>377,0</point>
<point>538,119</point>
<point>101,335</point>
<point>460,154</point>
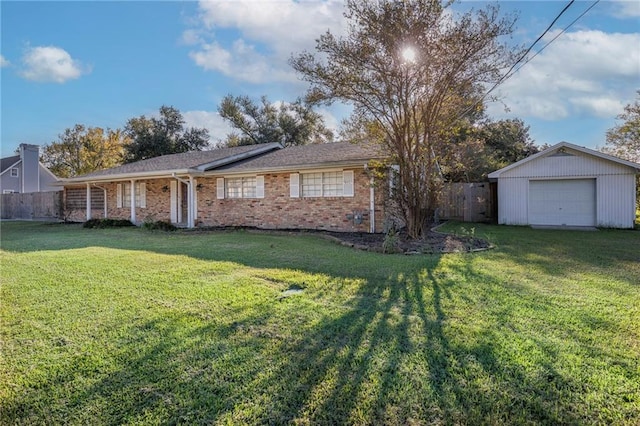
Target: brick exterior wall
<point>277,210</point>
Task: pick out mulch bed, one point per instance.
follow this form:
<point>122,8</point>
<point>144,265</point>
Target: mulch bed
<point>432,243</point>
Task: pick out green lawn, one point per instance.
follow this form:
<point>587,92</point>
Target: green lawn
<point>127,326</point>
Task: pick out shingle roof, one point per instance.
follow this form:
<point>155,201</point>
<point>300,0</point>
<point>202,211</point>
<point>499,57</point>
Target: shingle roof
<point>7,162</point>
<point>183,161</point>
<point>242,159</point>
<point>308,156</point>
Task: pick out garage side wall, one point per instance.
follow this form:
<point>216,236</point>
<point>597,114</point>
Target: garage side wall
<point>513,194</point>
<point>616,201</point>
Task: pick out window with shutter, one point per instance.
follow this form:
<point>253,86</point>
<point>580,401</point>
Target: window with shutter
<point>326,184</point>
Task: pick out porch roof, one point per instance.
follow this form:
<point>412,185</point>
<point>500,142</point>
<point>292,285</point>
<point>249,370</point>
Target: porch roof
<point>193,162</point>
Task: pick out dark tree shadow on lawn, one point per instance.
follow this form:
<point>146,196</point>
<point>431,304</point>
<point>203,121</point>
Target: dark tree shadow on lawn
<point>399,352</point>
<point>392,357</point>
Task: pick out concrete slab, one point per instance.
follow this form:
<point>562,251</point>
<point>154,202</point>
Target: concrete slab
<point>565,228</point>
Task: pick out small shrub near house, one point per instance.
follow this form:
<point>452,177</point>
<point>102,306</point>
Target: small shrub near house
<point>106,223</point>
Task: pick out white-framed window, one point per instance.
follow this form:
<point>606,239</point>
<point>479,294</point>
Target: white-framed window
<point>311,184</point>
<point>15,172</point>
<point>240,187</point>
<point>322,184</point>
<point>124,195</point>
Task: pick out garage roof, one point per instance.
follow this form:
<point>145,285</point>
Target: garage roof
<point>558,147</point>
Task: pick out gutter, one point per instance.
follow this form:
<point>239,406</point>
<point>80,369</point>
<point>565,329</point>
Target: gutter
<point>130,176</point>
<point>294,168</point>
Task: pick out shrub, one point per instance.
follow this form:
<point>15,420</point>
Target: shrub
<point>391,241</point>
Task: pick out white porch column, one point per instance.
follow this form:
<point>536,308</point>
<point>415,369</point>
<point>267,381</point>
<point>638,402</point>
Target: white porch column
<point>88,201</point>
<point>133,201</point>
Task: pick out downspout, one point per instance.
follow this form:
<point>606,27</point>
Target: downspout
<point>190,221</point>
<point>104,190</point>
<point>372,207</point>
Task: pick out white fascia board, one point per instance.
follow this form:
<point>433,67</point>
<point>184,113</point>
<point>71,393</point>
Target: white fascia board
<point>260,149</point>
<point>134,176</point>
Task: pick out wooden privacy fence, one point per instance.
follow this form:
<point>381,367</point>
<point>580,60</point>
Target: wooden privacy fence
<point>32,206</point>
<point>469,202</point>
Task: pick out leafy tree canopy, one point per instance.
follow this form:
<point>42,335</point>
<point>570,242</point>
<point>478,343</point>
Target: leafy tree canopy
<point>152,137</point>
<point>416,71</point>
<point>486,146</point>
<point>623,140</point>
<point>81,150</point>
<point>264,122</point>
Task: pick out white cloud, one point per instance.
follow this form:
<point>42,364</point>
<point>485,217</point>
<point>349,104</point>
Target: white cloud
<point>50,64</point>
<point>626,8</point>
<point>268,33</point>
<point>4,62</point>
<point>589,73</point>
<point>210,120</point>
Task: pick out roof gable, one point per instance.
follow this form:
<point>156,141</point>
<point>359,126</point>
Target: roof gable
<point>8,162</point>
<point>563,149</point>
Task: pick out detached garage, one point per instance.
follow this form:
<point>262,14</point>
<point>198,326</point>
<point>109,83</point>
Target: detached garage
<point>568,185</point>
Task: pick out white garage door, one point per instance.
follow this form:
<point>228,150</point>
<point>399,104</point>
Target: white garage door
<point>562,202</point>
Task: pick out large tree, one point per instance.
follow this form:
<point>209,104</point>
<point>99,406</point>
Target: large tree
<point>485,146</point>
<point>416,70</point>
<point>264,122</point>
<point>623,140</point>
<point>80,150</point>
<point>152,137</point>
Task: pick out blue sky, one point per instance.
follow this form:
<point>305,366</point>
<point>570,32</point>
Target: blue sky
<point>100,63</point>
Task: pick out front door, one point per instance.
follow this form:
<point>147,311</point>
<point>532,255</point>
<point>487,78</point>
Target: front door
<point>179,203</point>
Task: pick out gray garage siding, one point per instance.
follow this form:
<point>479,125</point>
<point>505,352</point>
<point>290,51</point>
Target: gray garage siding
<point>614,184</point>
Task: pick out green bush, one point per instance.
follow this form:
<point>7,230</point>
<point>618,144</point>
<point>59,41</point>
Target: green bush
<point>107,223</point>
<point>391,241</point>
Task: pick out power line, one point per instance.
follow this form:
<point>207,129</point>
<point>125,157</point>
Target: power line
<point>508,73</point>
<point>557,35</point>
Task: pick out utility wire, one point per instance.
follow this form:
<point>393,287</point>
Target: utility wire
<point>557,35</point>
<point>509,74</point>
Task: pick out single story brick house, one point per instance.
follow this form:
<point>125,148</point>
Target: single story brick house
<point>568,185</point>
<point>319,186</point>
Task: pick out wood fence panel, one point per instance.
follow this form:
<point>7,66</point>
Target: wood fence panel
<point>32,205</point>
<point>468,202</point>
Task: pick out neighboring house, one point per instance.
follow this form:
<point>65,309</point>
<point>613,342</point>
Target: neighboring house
<point>319,186</point>
<point>568,185</point>
<point>24,173</point>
